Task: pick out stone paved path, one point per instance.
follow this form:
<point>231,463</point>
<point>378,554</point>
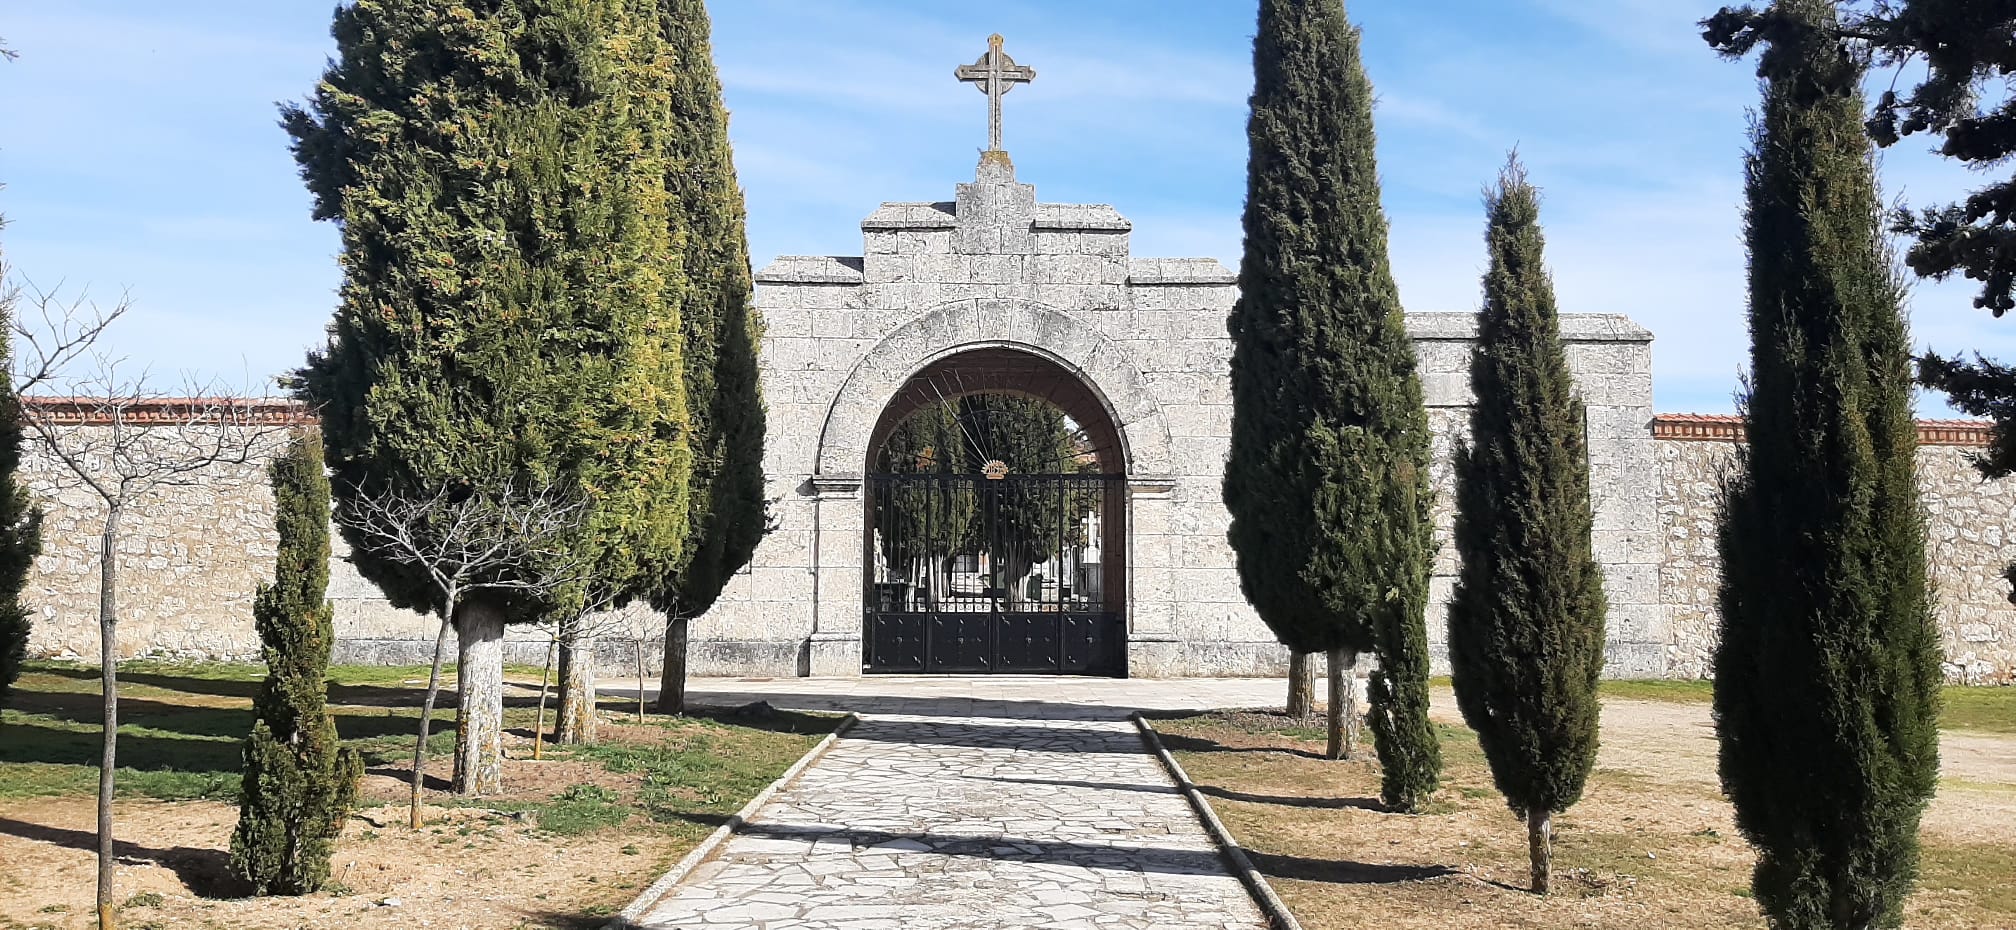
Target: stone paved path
<point>971,814</point>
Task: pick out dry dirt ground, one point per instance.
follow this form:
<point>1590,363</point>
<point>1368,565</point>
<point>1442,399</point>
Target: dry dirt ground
<point>466,869</point>
<point>570,841</point>
<point>1651,845</point>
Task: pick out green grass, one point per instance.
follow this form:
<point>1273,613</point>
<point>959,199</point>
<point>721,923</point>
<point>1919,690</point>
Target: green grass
<point>1984,709</point>
<point>1989,710</point>
<point>1693,691</point>
<point>583,809</point>
<point>181,726</point>
<point>182,729</point>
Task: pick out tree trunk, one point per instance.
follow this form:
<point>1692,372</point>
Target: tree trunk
<point>576,724</point>
<point>672,678</point>
<point>427,718</point>
<point>1540,845</point>
<point>638,646</point>
<point>479,723</point>
<point>108,660</point>
<point>1343,704</point>
<point>545,682</point>
<point>1301,684</point>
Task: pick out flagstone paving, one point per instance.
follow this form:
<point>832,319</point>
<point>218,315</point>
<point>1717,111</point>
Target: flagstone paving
<point>968,812</point>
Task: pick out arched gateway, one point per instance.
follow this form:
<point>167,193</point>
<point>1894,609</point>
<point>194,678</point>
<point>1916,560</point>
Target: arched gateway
<point>1116,563</point>
<point>992,293</point>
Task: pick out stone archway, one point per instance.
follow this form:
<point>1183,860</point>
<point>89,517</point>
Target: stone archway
<point>1052,291</point>
<point>992,545</point>
<point>1073,345</point>
<point>1009,345</point>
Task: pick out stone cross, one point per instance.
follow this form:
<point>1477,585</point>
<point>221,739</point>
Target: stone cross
<point>995,74</point>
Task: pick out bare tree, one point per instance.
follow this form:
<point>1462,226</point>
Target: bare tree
<point>469,541</point>
<point>108,433</point>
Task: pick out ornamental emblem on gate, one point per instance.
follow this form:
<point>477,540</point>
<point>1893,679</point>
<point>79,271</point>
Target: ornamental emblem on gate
<point>995,470</point>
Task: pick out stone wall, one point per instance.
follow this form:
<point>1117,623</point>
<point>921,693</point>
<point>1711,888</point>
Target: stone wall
<point>192,556</point>
<point>1970,522</point>
<point>189,560</point>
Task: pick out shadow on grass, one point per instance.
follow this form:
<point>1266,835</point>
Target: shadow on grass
<point>25,741</point>
<point>404,775</point>
<point>200,722</point>
<point>797,723</point>
<point>205,872</point>
<point>189,684</point>
<point>1289,800</point>
<point>1343,872</point>
<point>1178,742</point>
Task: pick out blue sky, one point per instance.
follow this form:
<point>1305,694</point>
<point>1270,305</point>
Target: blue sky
<point>140,152</point>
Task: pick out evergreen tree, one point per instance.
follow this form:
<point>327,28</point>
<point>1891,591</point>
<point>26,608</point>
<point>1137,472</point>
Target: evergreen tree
<point>726,518</point>
<point>1827,673</point>
<point>1025,523</point>
<point>20,520</point>
<point>1327,482</point>
<point>1526,622</point>
<point>1965,47</point>
<point>509,320</point>
<point>923,525</point>
<point>299,782</point>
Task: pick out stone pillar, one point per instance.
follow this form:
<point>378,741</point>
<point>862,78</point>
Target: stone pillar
<point>838,525</point>
<point>995,211</point>
<point>1153,648</point>
<point>1615,378</point>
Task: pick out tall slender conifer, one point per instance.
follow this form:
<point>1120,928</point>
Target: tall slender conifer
<point>1526,622</point>
<point>1328,477</point>
<point>726,518</point>
<point>299,782</point>
<point>1827,672</point>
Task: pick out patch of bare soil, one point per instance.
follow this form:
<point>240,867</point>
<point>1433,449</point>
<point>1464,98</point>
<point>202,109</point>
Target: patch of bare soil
<point>1674,742</point>
<point>1652,844</point>
<point>467,869</point>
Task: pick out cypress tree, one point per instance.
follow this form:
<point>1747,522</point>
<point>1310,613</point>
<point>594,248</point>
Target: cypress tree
<point>1827,672</point>
<point>299,782</point>
<point>921,526</point>
<point>1327,482</point>
<point>509,317</point>
<point>1526,621</point>
<point>726,518</point>
<point>20,522</point>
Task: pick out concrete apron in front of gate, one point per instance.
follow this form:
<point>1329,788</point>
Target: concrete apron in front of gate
<point>1052,817</point>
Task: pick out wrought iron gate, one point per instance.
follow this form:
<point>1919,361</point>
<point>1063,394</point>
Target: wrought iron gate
<point>995,573</point>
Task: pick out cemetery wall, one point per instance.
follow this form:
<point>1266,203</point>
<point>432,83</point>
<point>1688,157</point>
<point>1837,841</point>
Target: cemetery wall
<point>1970,522</point>
<point>192,557</point>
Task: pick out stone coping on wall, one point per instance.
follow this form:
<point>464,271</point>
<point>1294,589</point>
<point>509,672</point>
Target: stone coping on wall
<point>100,411</point>
<point>1575,327</point>
<point>1726,427</point>
<point>1179,271</point>
<point>93,411</point>
<point>900,216</point>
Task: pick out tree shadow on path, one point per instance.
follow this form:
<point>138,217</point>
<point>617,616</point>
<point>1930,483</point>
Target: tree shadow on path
<point>1118,857</point>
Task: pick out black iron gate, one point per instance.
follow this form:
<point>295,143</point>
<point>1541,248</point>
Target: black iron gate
<point>995,573</point>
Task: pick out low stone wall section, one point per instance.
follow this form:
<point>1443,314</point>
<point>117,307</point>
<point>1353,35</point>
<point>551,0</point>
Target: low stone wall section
<point>1970,522</point>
